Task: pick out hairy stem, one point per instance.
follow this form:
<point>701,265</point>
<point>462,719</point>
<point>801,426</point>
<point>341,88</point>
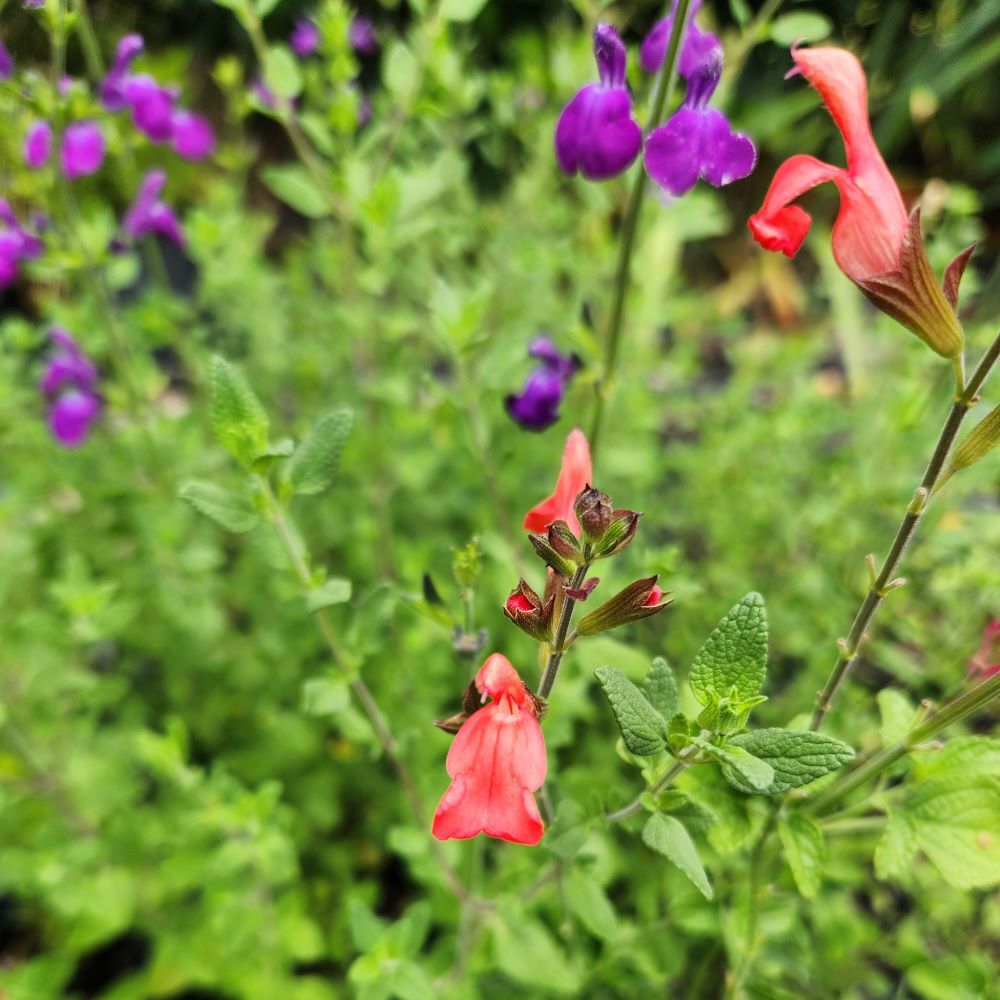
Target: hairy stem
<point>664,87</point>
<point>882,583</point>
<point>684,758</point>
<point>557,649</point>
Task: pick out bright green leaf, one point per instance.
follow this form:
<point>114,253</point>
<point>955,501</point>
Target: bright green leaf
<point>894,851</point>
<point>735,655</point>
<point>295,187</point>
<point>897,715</point>
<point>568,831</point>
<point>660,688</point>
<point>643,729</point>
<point>750,770</point>
<point>801,26</point>
<point>283,74</point>
<point>667,836</point>
<point>798,757</point>
<point>588,902</point>
<point>317,458</point>
<point>805,850</point>
<point>238,420</point>
<point>232,511</point>
<point>264,7</point>
<point>461,10</point>
<point>336,590</point>
<point>964,757</point>
<point>399,70</point>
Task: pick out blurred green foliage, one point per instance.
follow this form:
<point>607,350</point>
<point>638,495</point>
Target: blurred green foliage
<point>191,803</point>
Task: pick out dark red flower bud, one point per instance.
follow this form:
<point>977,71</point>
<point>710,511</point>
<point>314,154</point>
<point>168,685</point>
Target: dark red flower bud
<point>527,611</point>
<point>637,600</point>
<point>593,508</point>
<point>619,534</point>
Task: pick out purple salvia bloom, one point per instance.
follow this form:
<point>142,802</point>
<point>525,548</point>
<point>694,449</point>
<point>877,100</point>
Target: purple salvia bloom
<point>595,134</point>
<point>149,214</point>
<point>698,141</point>
<point>69,383</point>
<point>6,62</point>
<point>26,245</point>
<point>33,4</point>
<point>305,37</point>
<point>10,255</point>
<point>361,35</point>
<point>38,145</point>
<point>537,405</point>
<point>113,86</point>
<point>193,138</point>
<point>152,106</point>
<point>82,151</point>
<point>696,45</point>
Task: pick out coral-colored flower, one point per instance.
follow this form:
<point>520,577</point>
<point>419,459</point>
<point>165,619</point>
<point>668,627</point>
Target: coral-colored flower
<point>574,475</point>
<point>986,661</point>
<point>497,762</point>
<point>868,233</point>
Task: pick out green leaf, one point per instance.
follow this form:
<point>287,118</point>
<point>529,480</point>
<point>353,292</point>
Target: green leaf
<point>734,659</point>
<point>957,827</point>
<point>264,7</point>
<point>232,511</point>
<point>667,836</point>
<point>568,831</point>
<point>798,757</point>
<point>291,183</point>
<point>589,904</point>
<point>962,758</point>
<point>643,729</point>
<point>523,947</point>
<point>805,850</point>
<point>750,770</point>
<point>894,851</point>
<point>897,715</point>
<point>804,26</point>
<point>283,74</point>
<point>399,70</point>
<point>317,458</point>
<point>336,590</point>
<point>461,10</point>
<point>238,420</point>
<point>660,688</point>
<point>325,696</point>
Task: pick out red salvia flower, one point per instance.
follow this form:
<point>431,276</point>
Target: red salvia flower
<point>986,661</point>
<point>574,476</point>
<point>497,762</point>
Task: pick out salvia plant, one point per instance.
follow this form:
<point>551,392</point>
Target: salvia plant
<point>231,750</point>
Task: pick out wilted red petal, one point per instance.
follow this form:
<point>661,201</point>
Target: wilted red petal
<point>497,761</point>
<point>574,474</point>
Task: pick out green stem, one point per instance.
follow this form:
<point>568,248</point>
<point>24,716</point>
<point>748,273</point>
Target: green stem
<point>558,642</point>
<point>664,87</point>
<point>343,661</point>
<point>684,759</point>
<point>960,707</point>
<point>881,585</point>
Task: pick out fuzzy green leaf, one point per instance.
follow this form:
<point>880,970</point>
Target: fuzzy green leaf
<point>232,511</point>
<point>660,688</point>
<point>894,851</point>
<point>668,836</point>
<point>291,184</point>
<point>336,590</point>
<point>798,757</point>
<point>283,74</point>
<point>961,758</point>
<point>735,655</point>
<point>588,902</point>
<point>752,771</point>
<point>238,420</point>
<point>896,713</point>
<point>643,729</point>
<point>805,851</point>
<point>568,831</point>
<point>315,462</point>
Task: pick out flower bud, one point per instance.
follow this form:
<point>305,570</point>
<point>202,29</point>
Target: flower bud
<point>593,509</point>
<point>471,702</point>
<point>637,600</point>
<point>525,609</point>
<point>562,539</point>
<point>619,534</point>
<point>548,553</point>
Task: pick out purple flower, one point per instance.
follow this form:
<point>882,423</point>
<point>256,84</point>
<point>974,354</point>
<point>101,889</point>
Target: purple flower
<point>38,145</point>
<point>69,384</point>
<point>537,405</point>
<point>193,137</point>
<point>698,141</point>
<point>6,62</point>
<point>33,4</point>
<point>361,35</point>
<point>152,106</point>
<point>113,86</point>
<point>696,45</point>
<point>16,244</point>
<point>82,150</point>
<point>305,37</point>
<point>263,93</point>
<point>149,214</point>
<point>595,134</point>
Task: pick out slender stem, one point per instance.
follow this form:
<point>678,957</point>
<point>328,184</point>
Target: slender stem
<point>882,583</point>
<point>559,640</point>
<point>664,87</point>
<point>300,564</point>
<point>684,758</point>
<point>960,707</point>
<point>853,826</point>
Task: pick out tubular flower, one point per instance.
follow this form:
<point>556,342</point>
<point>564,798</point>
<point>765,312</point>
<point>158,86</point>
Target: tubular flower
<point>149,214</point>
<point>986,661</point>
<point>16,244</point>
<point>361,35</point>
<point>496,763</point>
<point>82,150</point>
<point>537,405</point>
<point>574,475</point>
<point>595,134</point>
<point>696,45</point>
<point>874,243</point>
<point>69,383</point>
<point>38,145</point>
<point>698,141</point>
<point>305,37</point>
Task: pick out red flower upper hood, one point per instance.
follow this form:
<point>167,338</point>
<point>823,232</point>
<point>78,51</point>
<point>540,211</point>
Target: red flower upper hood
<point>574,476</point>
